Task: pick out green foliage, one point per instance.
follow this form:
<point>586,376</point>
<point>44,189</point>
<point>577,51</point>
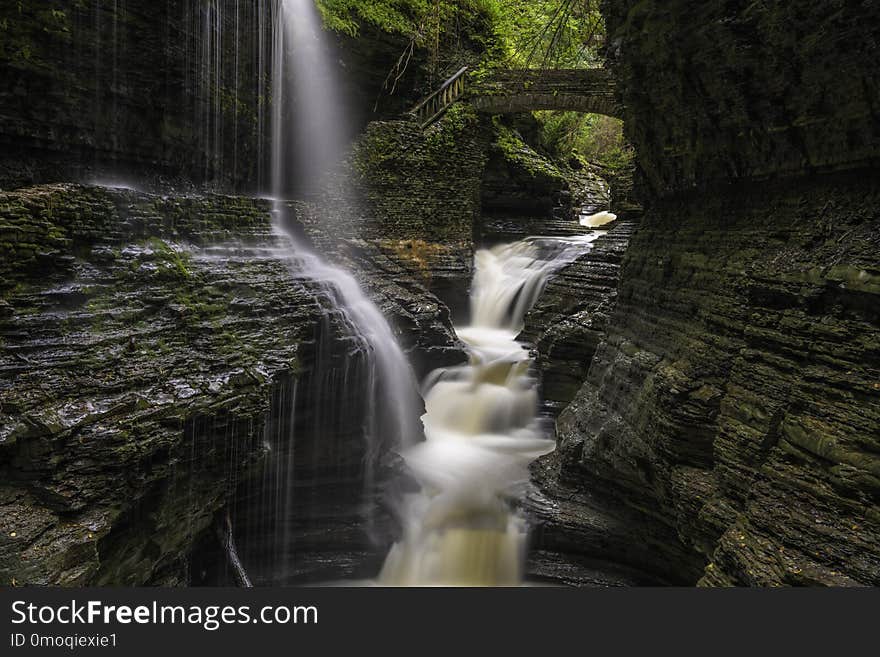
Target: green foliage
<point>395,16</point>
<point>420,19</point>
<point>550,33</point>
<point>450,32</point>
<point>539,33</point>
<point>591,137</point>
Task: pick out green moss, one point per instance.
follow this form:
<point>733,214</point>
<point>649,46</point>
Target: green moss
<point>28,30</point>
<point>443,136</point>
<point>171,263</point>
<point>517,152</point>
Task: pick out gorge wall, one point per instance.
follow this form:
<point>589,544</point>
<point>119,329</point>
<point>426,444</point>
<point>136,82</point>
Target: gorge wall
<point>135,91</point>
<point>131,384</point>
<point>149,347</point>
<point>729,417</point>
<point>161,94</point>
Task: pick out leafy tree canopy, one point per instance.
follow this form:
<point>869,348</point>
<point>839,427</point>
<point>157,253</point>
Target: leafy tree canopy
<point>506,33</point>
<point>520,33</point>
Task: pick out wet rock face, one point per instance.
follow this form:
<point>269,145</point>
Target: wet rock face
<point>734,398</point>
<point>737,90</point>
<point>408,199</point>
<point>138,90</point>
<point>422,183</point>
<point>172,93</point>
<point>569,318</point>
<point>519,181</point>
<point>403,286</point>
<point>149,349</point>
<point>525,192</point>
<point>729,414</point>
<point>135,373</point>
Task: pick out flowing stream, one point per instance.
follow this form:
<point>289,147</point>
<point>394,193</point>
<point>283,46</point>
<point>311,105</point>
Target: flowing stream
<point>481,423</point>
<point>482,431</point>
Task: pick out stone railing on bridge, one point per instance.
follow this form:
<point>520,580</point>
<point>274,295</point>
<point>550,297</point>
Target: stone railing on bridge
<point>509,91</point>
<point>591,91</point>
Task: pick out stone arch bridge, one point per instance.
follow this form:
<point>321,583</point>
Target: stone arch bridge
<point>591,91</point>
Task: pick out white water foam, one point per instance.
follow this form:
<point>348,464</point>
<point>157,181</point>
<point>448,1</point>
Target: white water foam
<point>481,431</point>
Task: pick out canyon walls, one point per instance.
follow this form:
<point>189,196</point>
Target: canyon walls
<point>740,90</point>
<point>151,348</point>
<point>137,375</point>
<point>167,93</point>
<point>161,94</point>
<point>729,417</point>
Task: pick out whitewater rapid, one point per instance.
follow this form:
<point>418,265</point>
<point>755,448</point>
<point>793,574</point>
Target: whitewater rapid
<point>482,431</point>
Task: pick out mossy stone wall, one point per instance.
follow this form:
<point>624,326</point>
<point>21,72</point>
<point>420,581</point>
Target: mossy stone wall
<point>423,183</point>
<point>729,419</point>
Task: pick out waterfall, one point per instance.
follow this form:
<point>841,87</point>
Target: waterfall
<point>482,431</point>
<point>481,419</point>
<point>305,88</point>
<point>305,144</point>
<point>301,69</point>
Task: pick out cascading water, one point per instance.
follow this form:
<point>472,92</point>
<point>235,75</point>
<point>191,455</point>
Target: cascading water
<point>305,123</point>
<point>482,432</point>
<point>300,66</point>
<point>305,87</point>
<point>480,424</point>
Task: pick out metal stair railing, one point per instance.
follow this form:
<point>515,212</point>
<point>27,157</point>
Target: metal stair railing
<point>435,105</point>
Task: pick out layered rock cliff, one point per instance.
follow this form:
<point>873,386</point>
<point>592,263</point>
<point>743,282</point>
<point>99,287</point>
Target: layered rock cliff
<point>150,350</point>
<point>727,432</point>
<point>164,94</point>
<point>568,321</point>
<point>169,93</point>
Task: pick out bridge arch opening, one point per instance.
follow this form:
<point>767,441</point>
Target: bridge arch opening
<point>559,147</point>
<point>548,170</point>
